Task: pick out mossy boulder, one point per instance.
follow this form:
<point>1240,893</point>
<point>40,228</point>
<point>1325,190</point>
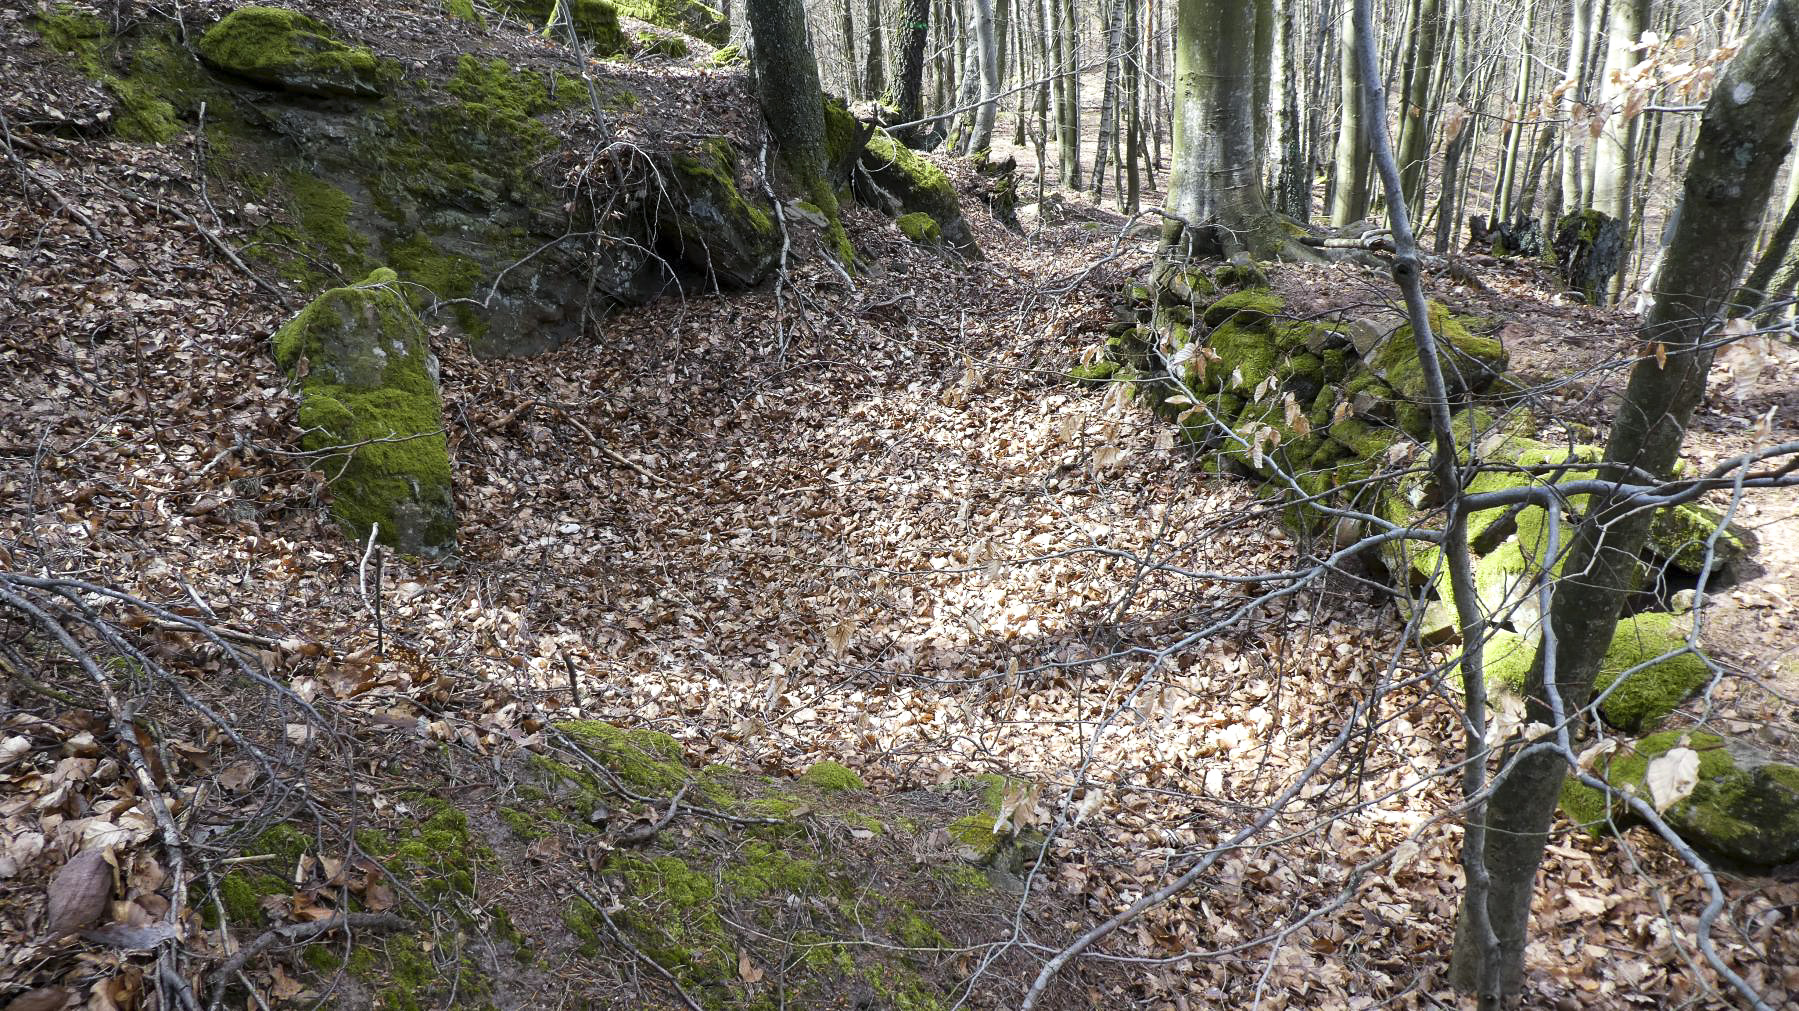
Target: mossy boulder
<point>284,49</point>
<point>1652,693</point>
<point>920,228</point>
<point>1745,808</point>
<point>372,414</point>
<point>702,21</point>
<point>717,229</point>
<point>1678,537</point>
<point>833,777</point>
<point>1470,363</point>
<point>1645,697</point>
<point>664,47</point>
<point>896,180</point>
<point>596,21</point>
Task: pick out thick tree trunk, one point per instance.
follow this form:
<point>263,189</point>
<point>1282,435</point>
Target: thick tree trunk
<point>1349,190</point>
<point>1415,109</point>
<point>1215,201</point>
<point>793,104</point>
<point>1108,99</point>
<point>915,21</point>
<point>1744,136</point>
<point>1580,37</point>
<point>874,73</point>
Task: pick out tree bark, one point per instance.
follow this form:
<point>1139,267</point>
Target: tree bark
<point>1108,100</point>
<point>1133,148</point>
<point>1415,109</point>
<point>793,104</point>
<point>1215,202</point>
<point>852,81</point>
<point>1744,136</point>
<point>980,136</point>
<point>1291,178</point>
<point>1580,37</point>
<point>1514,137</point>
<point>1614,148</point>
<point>1068,107</point>
<point>874,74</point>
<point>915,17</point>
<point>1349,192</point>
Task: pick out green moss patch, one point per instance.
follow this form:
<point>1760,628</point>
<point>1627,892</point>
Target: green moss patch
<point>902,182</point>
<point>834,778</point>
<point>284,49</point>
<point>372,414</point>
<point>1743,809</point>
<point>920,228</point>
<point>1654,692</point>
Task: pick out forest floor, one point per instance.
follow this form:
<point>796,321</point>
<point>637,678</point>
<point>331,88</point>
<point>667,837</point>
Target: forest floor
<point>875,525</point>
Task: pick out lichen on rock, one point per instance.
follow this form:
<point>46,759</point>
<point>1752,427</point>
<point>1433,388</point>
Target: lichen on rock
<point>288,50</point>
<point>372,413</point>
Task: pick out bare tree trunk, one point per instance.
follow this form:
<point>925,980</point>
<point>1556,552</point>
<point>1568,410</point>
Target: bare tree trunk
<point>1290,180</point>
<point>1349,193</point>
<point>1108,100</point>
<point>1743,137</point>
<point>980,136</point>
<point>1068,111</point>
<point>874,74</point>
<point>852,82</point>
<point>1521,95</point>
<point>793,104</point>
<point>1615,148</point>
<point>1215,201</point>
<point>1415,109</point>
<point>1580,37</point>
<point>1133,148</point>
<point>915,16</point>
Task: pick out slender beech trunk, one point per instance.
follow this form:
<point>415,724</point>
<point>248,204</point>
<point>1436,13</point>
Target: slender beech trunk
<point>1744,135</point>
<point>1108,99</point>
<point>874,73</point>
<point>980,137</point>
<point>1349,188</point>
<point>1290,179</point>
<point>1514,138</point>
<point>852,82</point>
<point>1780,256</point>
<point>1614,148</point>
<point>1068,139</point>
<point>1574,136</point>
<point>1415,108</point>
<point>1133,147</point>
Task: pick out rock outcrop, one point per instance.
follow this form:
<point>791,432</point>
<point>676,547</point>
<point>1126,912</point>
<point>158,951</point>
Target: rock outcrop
<point>372,413</point>
<point>1327,412</point>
